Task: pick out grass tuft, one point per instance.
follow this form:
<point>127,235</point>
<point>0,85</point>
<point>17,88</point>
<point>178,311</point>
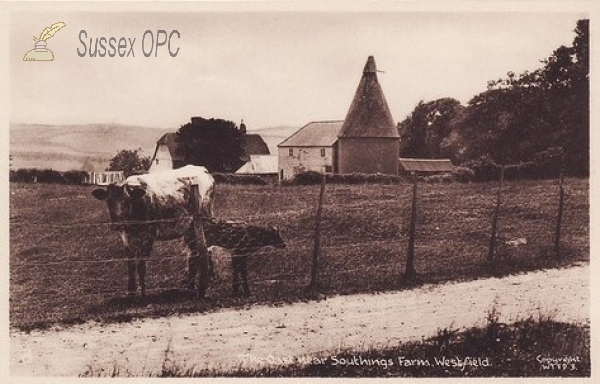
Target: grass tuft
<point>533,347</point>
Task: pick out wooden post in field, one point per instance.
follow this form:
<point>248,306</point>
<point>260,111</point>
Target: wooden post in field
<point>315,276</point>
<point>201,259</point>
<point>492,249</point>
<point>410,273</point>
<point>561,199</point>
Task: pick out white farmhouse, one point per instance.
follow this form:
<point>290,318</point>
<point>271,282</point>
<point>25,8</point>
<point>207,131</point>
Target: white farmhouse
<point>311,148</point>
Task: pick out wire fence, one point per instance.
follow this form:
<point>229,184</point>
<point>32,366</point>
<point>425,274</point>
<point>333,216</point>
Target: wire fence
<point>67,261</point>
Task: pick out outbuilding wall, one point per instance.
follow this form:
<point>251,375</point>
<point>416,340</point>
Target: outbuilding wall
<point>368,155</point>
<point>162,161</point>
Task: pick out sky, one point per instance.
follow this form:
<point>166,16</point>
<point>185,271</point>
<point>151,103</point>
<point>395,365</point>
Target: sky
<point>269,68</point>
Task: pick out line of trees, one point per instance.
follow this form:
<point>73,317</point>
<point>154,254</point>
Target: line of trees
<point>518,119</point>
<point>34,175</point>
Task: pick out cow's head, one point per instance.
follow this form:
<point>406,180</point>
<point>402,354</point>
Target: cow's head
<point>124,201</point>
<point>272,236</point>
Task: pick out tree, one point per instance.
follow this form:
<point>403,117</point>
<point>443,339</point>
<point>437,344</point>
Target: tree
<point>573,105</point>
<point>506,124</point>
<point>520,117</point>
<point>564,82</point>
<point>130,162</point>
<point>428,126</point>
<point>215,144</point>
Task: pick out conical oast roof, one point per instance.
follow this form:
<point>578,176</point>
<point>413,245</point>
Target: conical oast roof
<point>369,114</point>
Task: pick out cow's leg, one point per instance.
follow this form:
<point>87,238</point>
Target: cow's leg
<point>211,265</point>
<point>141,270</point>
<point>198,259</point>
<point>239,262</point>
<point>130,255</point>
<point>190,242</point>
<point>244,274</point>
<point>235,267</point>
<point>145,251</point>
<point>131,285</point>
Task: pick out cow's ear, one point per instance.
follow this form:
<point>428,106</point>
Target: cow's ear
<point>137,193</point>
<point>100,193</point>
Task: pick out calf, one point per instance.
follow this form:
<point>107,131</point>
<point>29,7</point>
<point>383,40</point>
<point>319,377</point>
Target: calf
<point>155,207</point>
<point>242,240</point>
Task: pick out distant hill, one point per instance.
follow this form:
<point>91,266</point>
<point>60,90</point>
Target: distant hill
<point>85,146</point>
<point>274,135</point>
<point>69,147</point>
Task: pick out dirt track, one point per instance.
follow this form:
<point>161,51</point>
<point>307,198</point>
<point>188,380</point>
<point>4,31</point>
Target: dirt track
<point>265,335</point>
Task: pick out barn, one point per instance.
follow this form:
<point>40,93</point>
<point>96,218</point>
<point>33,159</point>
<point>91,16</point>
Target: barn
<point>366,141</point>
<point>166,155</point>
<point>408,166</point>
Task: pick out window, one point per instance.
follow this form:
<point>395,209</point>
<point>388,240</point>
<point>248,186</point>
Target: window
<point>291,151</point>
<point>322,152</point>
<point>328,169</point>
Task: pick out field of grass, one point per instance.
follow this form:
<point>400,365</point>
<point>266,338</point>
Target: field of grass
<point>67,266</point>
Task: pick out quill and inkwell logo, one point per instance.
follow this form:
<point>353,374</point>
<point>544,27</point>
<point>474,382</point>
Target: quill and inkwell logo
<point>40,52</point>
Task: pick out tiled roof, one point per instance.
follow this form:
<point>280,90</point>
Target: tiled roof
<point>426,165</point>
<point>170,140</point>
<point>315,134</point>
<point>369,114</point>
<point>255,145</point>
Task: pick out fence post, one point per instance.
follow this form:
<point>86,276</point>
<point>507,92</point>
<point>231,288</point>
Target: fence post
<point>198,263</point>
<point>561,199</point>
<point>410,273</point>
<point>492,249</point>
<point>315,276</point>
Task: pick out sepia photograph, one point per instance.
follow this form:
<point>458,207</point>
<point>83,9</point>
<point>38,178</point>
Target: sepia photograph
<point>298,190</point>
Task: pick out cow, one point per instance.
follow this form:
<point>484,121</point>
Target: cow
<point>155,207</point>
<point>242,240</point>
